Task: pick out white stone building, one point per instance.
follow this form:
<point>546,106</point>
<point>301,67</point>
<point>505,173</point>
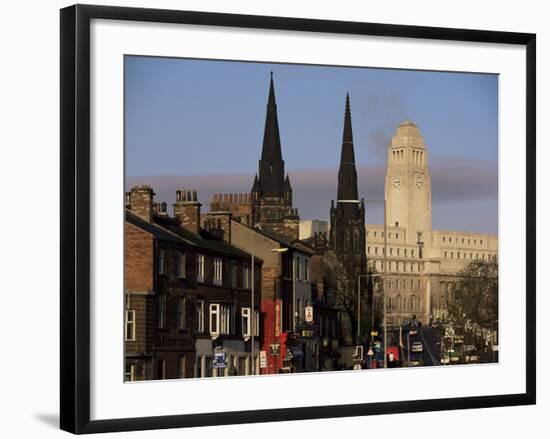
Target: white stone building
<point>422,262</point>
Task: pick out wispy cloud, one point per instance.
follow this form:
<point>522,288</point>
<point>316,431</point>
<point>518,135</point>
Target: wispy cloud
<point>455,182</point>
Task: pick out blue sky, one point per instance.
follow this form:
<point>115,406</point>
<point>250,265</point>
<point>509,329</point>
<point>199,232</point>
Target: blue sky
<point>205,119</point>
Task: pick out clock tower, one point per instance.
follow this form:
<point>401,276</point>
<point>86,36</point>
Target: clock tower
<point>408,187</point>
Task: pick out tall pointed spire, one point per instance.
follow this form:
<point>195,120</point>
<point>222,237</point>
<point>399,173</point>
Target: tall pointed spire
<point>272,167</point>
<point>347,174</point>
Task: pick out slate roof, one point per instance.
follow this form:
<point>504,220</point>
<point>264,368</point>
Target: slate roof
<point>168,230</point>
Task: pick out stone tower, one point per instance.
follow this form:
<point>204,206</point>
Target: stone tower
<point>408,186</point>
<point>347,216</point>
<point>271,191</point>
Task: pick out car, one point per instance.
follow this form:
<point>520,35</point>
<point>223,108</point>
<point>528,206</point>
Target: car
<point>413,331</point>
<point>417,346</point>
<point>416,360</point>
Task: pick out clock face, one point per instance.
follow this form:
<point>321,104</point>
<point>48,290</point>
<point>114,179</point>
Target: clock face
<point>396,181</point>
<point>420,181</point>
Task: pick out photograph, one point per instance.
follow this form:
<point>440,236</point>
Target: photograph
<point>299,218</point>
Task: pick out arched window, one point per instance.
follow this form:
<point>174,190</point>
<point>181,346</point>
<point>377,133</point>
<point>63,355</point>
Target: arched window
<point>398,300</point>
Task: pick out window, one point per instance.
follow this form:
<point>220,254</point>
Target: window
<point>182,303</point>
<point>162,311</point>
<point>200,315</point>
<point>368,250</point>
<point>218,270</point>
<point>452,255</point>
<point>246,277</point>
<point>391,251</point>
<point>306,270</point>
<point>234,275</point>
<point>130,373</point>
<point>298,268</point>
<point>398,251</point>
<point>181,265</point>
<point>405,252</point>
<point>443,239</point>
<point>221,319</point>
<point>412,253</point>
<point>397,236</point>
<point>130,325</point>
<point>200,268</point>
<point>375,250</point>
<point>160,261</point>
<point>445,254</point>
<point>375,234</point>
<point>481,241</point>
<point>245,322</point>
<point>214,318</point>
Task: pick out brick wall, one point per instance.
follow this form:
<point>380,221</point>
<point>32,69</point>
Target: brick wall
<point>138,259</point>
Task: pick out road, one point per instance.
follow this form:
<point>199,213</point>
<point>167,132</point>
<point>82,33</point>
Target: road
<point>430,343</point>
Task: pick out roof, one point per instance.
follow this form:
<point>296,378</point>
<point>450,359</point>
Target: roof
<point>168,230</point>
<point>285,240</point>
<point>204,241</point>
<point>153,229</point>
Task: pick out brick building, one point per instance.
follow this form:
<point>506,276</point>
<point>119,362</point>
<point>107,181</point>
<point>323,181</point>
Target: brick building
<point>288,341</point>
<point>188,294</point>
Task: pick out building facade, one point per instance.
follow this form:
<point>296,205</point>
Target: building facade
<point>188,294</point>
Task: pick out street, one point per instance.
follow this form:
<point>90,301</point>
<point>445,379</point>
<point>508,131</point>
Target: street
<point>431,351</point>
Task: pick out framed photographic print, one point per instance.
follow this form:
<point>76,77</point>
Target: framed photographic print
<point>269,218</point>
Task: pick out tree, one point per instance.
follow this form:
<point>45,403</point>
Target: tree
<point>342,287</point>
<point>476,293</point>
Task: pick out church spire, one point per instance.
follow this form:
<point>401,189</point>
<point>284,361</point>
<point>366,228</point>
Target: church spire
<point>272,167</point>
<point>347,174</point>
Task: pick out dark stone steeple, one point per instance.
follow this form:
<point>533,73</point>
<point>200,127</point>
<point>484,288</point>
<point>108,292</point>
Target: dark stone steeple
<point>347,214</point>
<point>347,174</point>
<point>271,191</point>
<point>272,165</point>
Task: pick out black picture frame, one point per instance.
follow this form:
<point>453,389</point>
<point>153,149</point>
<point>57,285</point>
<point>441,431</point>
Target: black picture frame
<point>75,217</point>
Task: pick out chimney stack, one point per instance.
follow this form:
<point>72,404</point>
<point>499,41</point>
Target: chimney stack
<point>141,201</point>
<point>187,210</point>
